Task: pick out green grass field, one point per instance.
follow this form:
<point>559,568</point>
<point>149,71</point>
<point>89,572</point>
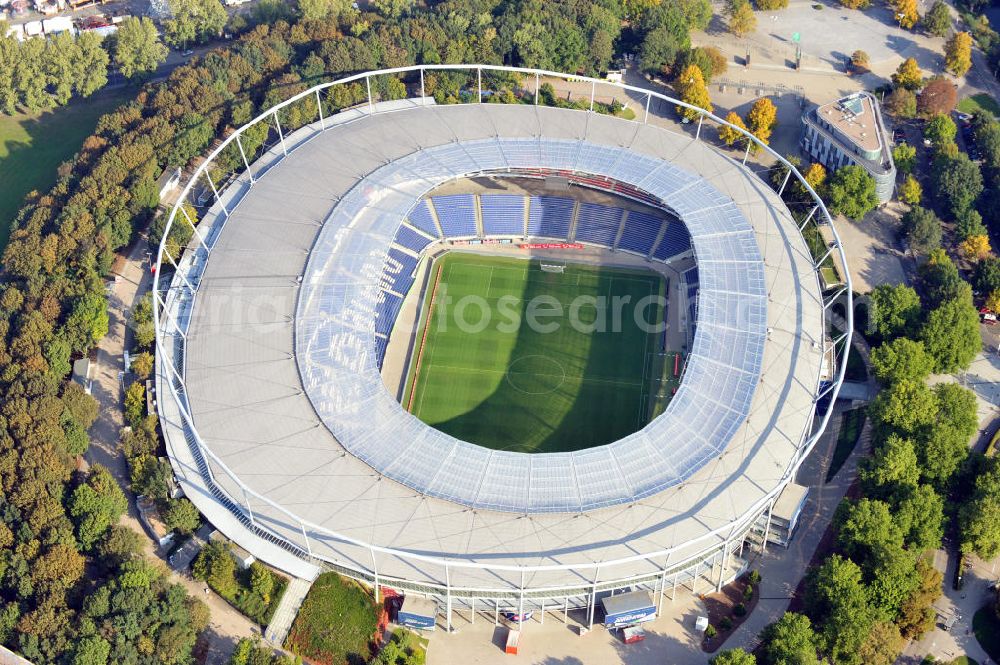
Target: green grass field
<point>32,146</point>
<point>520,387</point>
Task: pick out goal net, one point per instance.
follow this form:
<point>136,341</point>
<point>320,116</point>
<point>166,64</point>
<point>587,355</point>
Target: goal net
<point>553,267</point>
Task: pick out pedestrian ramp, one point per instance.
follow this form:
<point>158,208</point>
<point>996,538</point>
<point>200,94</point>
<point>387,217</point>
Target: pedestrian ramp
<point>289,606</point>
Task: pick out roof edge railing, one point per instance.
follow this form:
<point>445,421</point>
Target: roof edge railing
<point>163,322</point>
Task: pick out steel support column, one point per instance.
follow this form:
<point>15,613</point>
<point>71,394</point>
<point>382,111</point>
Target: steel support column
<point>785,182</point>
<point>246,163</point>
<point>371,551</point>
<point>593,88</point>
<point>319,107</point>
<point>368,86</point>
<point>697,133</point>
<point>645,117</point>
<point>215,191</point>
<point>810,216</point>
<point>281,135</point>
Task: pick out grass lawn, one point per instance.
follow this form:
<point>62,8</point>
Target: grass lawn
<point>577,379</point>
<point>987,628</point>
<point>336,623</point>
<point>847,438</point>
<point>979,102</point>
<point>32,146</point>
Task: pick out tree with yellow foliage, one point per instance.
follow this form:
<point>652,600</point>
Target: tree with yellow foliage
<point>908,75</point>
<point>993,301</point>
<point>958,53</point>
<point>976,248</point>
<point>815,175</point>
<point>906,13</point>
<point>910,191</point>
<point>761,118</point>
<point>691,86</point>
<point>727,134</point>
<point>742,20</point>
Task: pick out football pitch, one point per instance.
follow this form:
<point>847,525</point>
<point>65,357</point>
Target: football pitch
<point>512,357</point>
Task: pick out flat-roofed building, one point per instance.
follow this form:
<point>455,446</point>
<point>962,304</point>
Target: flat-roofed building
<point>851,131</point>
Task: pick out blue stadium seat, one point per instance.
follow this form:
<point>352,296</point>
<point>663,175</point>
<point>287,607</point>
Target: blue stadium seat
<point>503,214</point>
<point>398,272</point>
<point>381,344</point>
<point>420,217</point>
<point>675,241</point>
<point>550,216</point>
<point>386,309</point>
<point>407,237</point>
<point>457,214</point>
<point>598,224</point>
<point>641,230</point>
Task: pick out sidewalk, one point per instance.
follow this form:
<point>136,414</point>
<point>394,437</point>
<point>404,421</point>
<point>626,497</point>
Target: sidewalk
<point>289,606</point>
<point>227,625</point>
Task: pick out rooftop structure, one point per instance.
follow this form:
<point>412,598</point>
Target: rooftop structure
<point>850,130</point>
<point>282,432</point>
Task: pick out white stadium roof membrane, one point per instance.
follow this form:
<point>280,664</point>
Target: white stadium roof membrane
<point>335,331</point>
<point>270,400</point>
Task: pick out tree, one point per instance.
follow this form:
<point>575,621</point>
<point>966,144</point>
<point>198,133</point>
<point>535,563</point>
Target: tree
<point>138,51</point>
<point>905,156</point>
<point>986,277</point>
<point>789,641</point>
<point>860,61</point>
<point>937,20</point>
<point>883,645</point>
<point>92,650</point>
<point>215,565</point>
<point>906,13</point>
<point>733,657</point>
<point>892,470</point>
<point>901,359</point>
<point>727,134</point>
<point>96,505</point>
<point>856,4</point>
<point>182,516</point>
<point>958,53</point>
<point>693,91</point>
<point>938,96</point>
<point>393,8</point>
<point>921,515</point>
<point>940,129</point>
<point>836,600</point>
<point>905,407</point>
<point>312,10</point>
<point>135,403</point>
<point>90,67</point>
<point>908,75</point>
<point>852,192</point>
<point>979,519</point>
<point>815,177</point>
<point>708,59</point>
<point>662,45</point>
<point>951,335</point>
<point>893,310</point>
<point>910,191</point>
<point>901,103</point>
<point>742,20</point>
<point>969,223</point>
<point>940,281</point>
<point>922,229</point>
<point>866,526</point>
<point>194,21</point>
<point>957,182</point>
<point>142,364</point>
<point>771,5</point>
<point>261,581</point>
<point>976,247</point>
<point>761,118</point>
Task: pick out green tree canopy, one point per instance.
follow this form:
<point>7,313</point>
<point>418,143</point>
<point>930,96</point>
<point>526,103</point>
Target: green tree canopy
<point>892,469</point>
<point>851,192</point>
<point>138,51</point>
<point>905,407</point>
<point>96,505</point>
<point>894,310</point>
<point>836,601</point>
<point>901,359</point>
<point>956,182</point>
<point>979,519</point>
<point>789,641</point>
<point>951,335</point>
<point>922,230</point>
<point>937,20</point>
<point>733,657</point>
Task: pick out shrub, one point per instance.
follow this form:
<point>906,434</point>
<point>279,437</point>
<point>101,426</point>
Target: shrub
<point>748,593</point>
<point>710,632</point>
<point>740,610</point>
<point>725,624</point>
<point>754,577</point>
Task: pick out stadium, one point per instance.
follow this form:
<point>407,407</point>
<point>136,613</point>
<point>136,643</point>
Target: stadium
<point>320,413</point>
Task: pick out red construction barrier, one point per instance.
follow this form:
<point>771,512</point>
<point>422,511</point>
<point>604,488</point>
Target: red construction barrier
<point>677,364</point>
